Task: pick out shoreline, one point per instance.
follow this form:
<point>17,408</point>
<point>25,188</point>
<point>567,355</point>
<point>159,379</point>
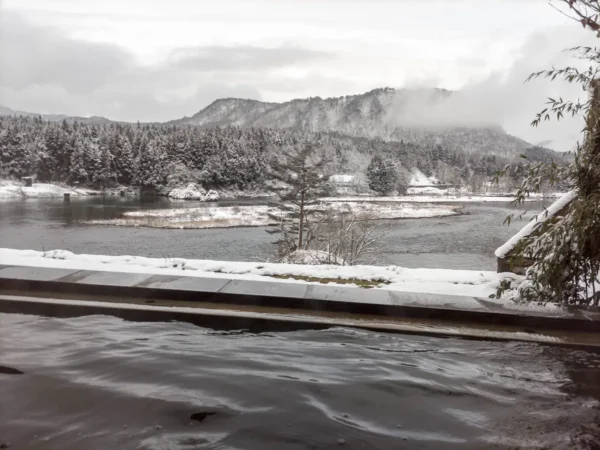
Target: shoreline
<point>15,191</point>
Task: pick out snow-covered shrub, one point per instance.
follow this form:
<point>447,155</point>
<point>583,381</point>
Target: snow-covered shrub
<point>312,257</point>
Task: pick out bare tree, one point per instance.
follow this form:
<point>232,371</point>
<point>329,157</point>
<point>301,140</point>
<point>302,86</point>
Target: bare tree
<point>348,237</point>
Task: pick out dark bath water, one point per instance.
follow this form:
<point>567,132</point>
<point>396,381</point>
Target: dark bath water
<point>102,383</point>
<point>463,242</point>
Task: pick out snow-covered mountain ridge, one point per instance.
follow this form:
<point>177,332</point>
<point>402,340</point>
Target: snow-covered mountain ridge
<point>374,114</point>
<point>403,115</point>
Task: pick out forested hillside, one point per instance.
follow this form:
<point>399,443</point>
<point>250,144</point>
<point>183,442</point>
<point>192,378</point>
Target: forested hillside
<point>374,114</point>
<point>153,156</point>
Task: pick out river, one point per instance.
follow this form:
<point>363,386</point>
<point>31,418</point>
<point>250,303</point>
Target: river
<point>459,242</point>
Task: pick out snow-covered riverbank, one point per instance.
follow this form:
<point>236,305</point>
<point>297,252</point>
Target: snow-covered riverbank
<point>13,189</point>
<point>40,190</point>
<point>258,215</point>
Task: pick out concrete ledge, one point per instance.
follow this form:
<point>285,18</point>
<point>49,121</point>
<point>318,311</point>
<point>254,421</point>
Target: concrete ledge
<point>217,319</point>
<point>283,295</point>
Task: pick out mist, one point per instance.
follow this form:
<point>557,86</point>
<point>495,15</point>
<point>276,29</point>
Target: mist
<point>504,98</point>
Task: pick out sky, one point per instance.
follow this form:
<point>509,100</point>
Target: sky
<point>158,60</point>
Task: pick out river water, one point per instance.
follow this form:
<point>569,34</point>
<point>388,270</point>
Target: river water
<point>460,242</point>
<point>102,383</point>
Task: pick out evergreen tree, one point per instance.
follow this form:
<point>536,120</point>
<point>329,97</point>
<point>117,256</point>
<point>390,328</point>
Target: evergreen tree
<point>17,161</point>
<point>151,173</point>
<point>123,160</point>
<point>302,179</point>
<point>104,176</point>
<point>382,175</point>
<point>77,168</point>
<point>53,162</point>
<point>402,182</point>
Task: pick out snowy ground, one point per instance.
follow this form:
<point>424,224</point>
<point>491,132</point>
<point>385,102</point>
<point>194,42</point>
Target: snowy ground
<point>39,190</point>
<point>257,215</point>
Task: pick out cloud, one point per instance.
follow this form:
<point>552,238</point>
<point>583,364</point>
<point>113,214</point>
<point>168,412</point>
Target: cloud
<point>119,102</point>
<point>44,70</point>
<point>503,98</point>
<point>243,57</point>
<point>41,55</point>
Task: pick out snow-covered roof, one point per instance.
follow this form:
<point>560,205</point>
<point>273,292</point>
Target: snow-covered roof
<point>535,223</point>
<point>341,178</point>
<point>418,178</point>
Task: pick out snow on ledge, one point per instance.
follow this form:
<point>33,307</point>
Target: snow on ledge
<point>456,288</point>
<point>535,223</point>
<point>467,283</point>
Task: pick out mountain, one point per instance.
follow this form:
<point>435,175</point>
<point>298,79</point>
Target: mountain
<point>4,111</point>
<point>374,115</point>
<point>93,120</point>
<point>366,115</point>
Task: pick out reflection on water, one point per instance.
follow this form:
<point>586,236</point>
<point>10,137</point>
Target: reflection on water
<point>99,382</point>
<point>460,242</point>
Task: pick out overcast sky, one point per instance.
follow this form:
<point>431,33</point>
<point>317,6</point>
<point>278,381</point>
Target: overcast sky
<point>155,60</point>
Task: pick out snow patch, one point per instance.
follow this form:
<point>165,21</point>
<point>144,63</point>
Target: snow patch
<point>38,190</point>
<point>258,215</point>
<point>311,257</point>
<point>11,189</point>
<point>341,179</point>
<point>193,192</point>
<point>443,198</point>
<point>418,178</point>
<point>426,190</point>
